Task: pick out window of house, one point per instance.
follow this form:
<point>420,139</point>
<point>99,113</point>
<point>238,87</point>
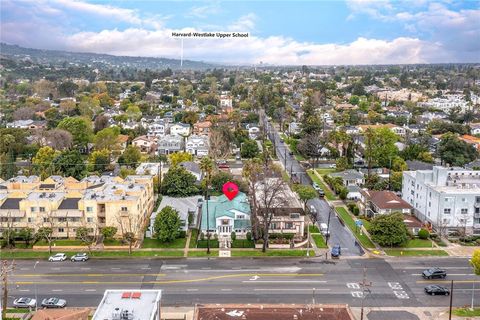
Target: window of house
<point>41,209</point>
<point>240,216</point>
<point>89,219</point>
<point>464,211</point>
<point>30,219</point>
<point>89,209</point>
<point>33,209</point>
<point>447,211</point>
<point>288,225</point>
<point>124,209</point>
<point>62,219</point>
<point>429,204</point>
<point>45,219</point>
<point>61,230</point>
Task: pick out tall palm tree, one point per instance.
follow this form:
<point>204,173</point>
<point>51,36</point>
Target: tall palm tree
<point>206,165</point>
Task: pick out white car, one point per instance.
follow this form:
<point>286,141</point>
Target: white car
<point>313,209</point>
<point>24,303</point>
<point>333,166</point>
<point>54,303</point>
<point>58,257</point>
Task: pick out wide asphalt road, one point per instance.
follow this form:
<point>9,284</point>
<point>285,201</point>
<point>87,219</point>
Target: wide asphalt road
<point>339,233</point>
<point>393,283</point>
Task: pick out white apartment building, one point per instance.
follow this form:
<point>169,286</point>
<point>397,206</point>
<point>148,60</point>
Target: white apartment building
<point>448,198</point>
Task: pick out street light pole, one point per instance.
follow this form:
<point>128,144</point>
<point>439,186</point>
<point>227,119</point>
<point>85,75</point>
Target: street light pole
<point>451,300</point>
<point>327,236</point>
<point>36,298</point>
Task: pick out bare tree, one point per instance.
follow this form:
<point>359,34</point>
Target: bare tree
<point>59,139</point>
<point>129,227</point>
<point>220,142</point>
<point>46,230</point>
<point>24,113</point>
<point>267,192</point>
<point>7,226</point>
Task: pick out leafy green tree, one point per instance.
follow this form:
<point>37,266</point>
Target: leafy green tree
<point>99,160</point>
<point>341,164</point>
<point>107,138</point>
<point>130,157</point>
<point>454,151</point>
<point>389,230</point>
<point>305,193</point>
<point>67,89</point>
<point>475,262</point>
<point>167,224</point>
<point>249,149</point>
<point>380,147</point>
<point>109,232</point>
<point>80,128</point>
<point>178,157</point>
<point>27,235</point>
<point>178,182</point>
<point>190,117</point>
<point>70,164</point>
<point>133,112</point>
<point>42,162</point>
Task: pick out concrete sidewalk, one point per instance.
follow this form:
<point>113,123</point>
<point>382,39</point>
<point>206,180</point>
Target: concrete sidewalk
<point>404,313</point>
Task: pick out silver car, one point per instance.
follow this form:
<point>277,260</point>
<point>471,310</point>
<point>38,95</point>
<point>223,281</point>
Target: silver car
<point>24,303</point>
<point>54,303</point>
<point>79,257</point>
<point>58,257</point>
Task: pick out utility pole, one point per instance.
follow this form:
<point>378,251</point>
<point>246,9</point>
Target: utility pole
<point>327,236</point>
<point>285,158</point>
<point>6,268</point>
<point>364,284</point>
<point>451,300</point>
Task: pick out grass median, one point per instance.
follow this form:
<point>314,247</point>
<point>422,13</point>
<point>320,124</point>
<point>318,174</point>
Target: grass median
<point>414,253</point>
<point>467,312</point>
<point>328,193</point>
<point>319,241</point>
<point>271,253</point>
<point>419,243</point>
<point>347,218</point>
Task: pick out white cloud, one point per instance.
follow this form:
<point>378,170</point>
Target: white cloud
<point>204,11</point>
<point>244,23</point>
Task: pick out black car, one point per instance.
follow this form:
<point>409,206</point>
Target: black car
<point>436,290</point>
<point>433,273</point>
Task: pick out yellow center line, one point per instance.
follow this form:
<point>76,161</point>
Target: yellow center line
<point>175,281</point>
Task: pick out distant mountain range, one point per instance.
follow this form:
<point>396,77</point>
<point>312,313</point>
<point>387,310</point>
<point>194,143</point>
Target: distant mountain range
<point>56,57</point>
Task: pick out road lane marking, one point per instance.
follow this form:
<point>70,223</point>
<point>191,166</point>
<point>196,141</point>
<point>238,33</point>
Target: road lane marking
<point>23,269</point>
<point>284,281</point>
<point>57,290</point>
<point>24,290</point>
<point>177,281</point>
<point>90,290</point>
<point>290,289</point>
<point>231,289</point>
<point>192,289</point>
<point>448,281</point>
<point>146,268</point>
<point>85,268</point>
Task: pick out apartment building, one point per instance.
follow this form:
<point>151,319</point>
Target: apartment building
<point>65,204</point>
<point>448,198</point>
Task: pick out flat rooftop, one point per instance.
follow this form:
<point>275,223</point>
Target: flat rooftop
<point>272,311</point>
<point>140,304</point>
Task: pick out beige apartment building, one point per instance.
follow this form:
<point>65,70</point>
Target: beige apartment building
<point>65,204</point>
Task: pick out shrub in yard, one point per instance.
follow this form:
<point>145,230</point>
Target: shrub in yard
<point>233,236</point>
<point>202,236</point>
<point>249,236</point>
<point>423,234</point>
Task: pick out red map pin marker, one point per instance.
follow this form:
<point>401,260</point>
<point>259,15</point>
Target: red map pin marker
<point>230,190</point>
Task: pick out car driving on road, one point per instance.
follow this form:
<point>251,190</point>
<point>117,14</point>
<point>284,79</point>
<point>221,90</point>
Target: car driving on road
<point>58,257</point>
<point>54,303</point>
<point>436,290</point>
<point>24,302</point>
<point>79,257</point>
<point>336,251</point>
<point>433,273</point>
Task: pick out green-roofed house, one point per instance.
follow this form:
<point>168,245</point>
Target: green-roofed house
<point>225,216</point>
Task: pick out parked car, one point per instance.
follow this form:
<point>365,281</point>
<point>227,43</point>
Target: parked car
<point>79,257</point>
<point>223,166</point>
<point>24,303</point>
<point>316,186</point>
<point>336,251</point>
<point>54,303</point>
<point>333,166</point>
<point>433,273</point>
<point>58,257</point>
<point>281,140</point>
<point>321,193</point>
<point>290,153</point>
<point>436,290</point>
<point>324,229</point>
<point>313,210</point>
<point>221,161</point>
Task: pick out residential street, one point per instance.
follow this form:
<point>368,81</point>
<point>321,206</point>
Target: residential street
<point>339,234</point>
<point>395,282</point>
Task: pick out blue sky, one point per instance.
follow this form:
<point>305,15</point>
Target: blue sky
<point>282,32</point>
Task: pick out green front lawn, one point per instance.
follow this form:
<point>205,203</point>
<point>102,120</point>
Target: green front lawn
<point>17,310</point>
<point>203,253</point>
<point>243,243</point>
<point>272,253</point>
<point>319,240</point>
<point>323,171</point>
<point>155,243</point>
<point>415,253</point>
<point>61,242</point>
<point>347,218</point>
<point>366,224</point>
<point>113,242</point>
<point>419,243</point>
<point>467,312</point>
<point>328,194</point>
